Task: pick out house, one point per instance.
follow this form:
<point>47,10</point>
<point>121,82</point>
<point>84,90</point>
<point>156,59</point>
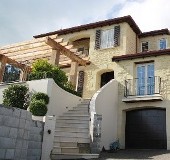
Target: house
<point>126,76</point>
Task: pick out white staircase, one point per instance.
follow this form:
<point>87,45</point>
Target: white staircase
<point>72,138</point>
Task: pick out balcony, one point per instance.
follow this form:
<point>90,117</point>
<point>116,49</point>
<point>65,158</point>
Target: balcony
<point>143,89</point>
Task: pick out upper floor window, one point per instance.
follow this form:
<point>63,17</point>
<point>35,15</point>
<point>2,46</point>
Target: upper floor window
<point>145,81</point>
<point>145,46</point>
<point>162,43</point>
<point>107,38</point>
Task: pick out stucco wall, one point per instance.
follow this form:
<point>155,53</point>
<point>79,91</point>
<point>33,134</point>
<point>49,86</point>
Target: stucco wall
<point>126,70</point>
<point>60,100</point>
<point>105,103</point>
<point>101,59</point>
<point>19,138</point>
<point>153,42</point>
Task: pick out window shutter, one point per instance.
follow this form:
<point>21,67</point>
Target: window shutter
<point>80,82</point>
<point>97,41</point>
<point>116,36</point>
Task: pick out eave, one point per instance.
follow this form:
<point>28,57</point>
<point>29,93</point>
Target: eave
<point>141,55</point>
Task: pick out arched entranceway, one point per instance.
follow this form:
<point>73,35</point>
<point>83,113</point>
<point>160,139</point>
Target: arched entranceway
<point>106,77</point>
<point>146,129</point>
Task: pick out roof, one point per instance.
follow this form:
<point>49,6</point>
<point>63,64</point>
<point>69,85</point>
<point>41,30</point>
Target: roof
<point>118,20</point>
<point>141,55</point>
<point>154,33</point>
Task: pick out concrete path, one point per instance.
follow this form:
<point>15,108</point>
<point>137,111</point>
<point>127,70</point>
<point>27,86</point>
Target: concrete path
<point>136,155</point>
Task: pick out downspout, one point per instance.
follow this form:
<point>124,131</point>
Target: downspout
<point>136,43</point>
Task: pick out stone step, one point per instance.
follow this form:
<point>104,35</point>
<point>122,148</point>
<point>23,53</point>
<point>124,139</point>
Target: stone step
<point>71,139</point>
<point>71,129</point>
<point>85,101</point>
<point>81,108</point>
<point>77,117</point>
<point>73,134</point>
<point>73,156</point>
<point>72,112</point>
<point>65,150</point>
<point>76,125</point>
<point>71,121</point>
<point>85,105</point>
<point>65,144</point>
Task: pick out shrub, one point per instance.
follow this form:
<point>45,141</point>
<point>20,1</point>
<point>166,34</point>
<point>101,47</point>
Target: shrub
<point>38,107</point>
<point>42,69</point>
<point>41,66</point>
<point>14,96</point>
<point>40,96</point>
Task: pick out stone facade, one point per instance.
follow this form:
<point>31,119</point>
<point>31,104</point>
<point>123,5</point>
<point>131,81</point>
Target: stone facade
<point>20,138</point>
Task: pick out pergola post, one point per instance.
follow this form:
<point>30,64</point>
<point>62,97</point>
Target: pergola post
<point>73,73</point>
<point>24,73</point>
<point>55,57</point>
<point>3,61</point>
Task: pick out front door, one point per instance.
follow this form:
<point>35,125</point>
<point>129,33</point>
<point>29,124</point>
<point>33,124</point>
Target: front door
<point>106,77</point>
<point>145,81</point>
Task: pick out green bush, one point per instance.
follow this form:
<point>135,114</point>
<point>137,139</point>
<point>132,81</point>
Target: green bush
<point>40,96</point>
<point>14,96</point>
<point>42,69</point>
<point>41,66</point>
<point>38,107</point>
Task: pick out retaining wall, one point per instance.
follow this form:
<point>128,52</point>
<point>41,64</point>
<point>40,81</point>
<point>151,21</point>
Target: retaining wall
<point>20,136</point>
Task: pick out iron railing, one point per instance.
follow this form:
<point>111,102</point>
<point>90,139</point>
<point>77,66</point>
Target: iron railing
<point>142,86</point>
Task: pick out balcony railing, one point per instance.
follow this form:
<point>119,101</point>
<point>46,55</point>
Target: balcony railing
<point>142,86</point>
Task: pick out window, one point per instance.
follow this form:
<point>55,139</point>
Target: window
<point>145,46</point>
<point>107,38</point>
<point>145,82</point>
<point>162,43</point>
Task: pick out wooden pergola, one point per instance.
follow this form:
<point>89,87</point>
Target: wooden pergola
<point>52,48</point>
<point>5,60</point>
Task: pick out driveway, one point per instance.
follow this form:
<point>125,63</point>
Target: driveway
<point>135,155</point>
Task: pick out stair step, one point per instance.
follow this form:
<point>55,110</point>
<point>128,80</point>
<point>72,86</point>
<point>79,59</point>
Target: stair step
<point>65,144</point>
<point>81,108</point>
<point>76,134</point>
<point>72,112</point>
<point>60,124</point>
<point>71,121</point>
<point>77,117</point>
<point>73,156</point>
<point>71,139</point>
<point>66,134</point>
<point>71,129</point>
<point>65,150</point>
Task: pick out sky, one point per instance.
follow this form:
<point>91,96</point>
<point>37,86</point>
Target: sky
<point>20,20</point>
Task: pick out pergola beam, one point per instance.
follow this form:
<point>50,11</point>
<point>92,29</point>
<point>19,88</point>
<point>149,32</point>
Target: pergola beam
<point>65,51</point>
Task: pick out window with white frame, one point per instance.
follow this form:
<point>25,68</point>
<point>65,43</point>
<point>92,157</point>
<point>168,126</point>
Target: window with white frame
<point>107,38</point>
<point>162,43</point>
<point>145,46</point>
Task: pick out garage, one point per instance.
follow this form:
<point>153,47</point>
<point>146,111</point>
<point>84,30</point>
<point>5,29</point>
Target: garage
<point>146,129</point>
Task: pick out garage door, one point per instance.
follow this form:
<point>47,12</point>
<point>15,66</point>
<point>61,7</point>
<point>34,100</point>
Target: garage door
<point>146,129</point>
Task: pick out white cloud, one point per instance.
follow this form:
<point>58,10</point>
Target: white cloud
<point>20,20</point>
<point>148,14</point>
